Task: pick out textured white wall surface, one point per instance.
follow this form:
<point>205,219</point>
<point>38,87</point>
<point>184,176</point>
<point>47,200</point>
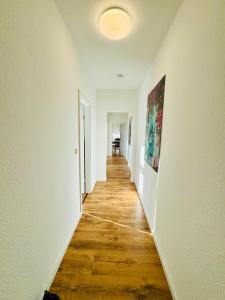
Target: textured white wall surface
<point>39,183</point>
<point>186,211</point>
<point>112,101</point>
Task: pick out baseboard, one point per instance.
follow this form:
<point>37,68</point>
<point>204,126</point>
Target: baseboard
<point>52,276</point>
<point>92,187</point>
<point>164,268</point>
<point>143,205</point>
<point>101,179</point>
<point>157,247</point>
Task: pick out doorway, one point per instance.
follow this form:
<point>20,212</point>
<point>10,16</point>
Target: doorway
<point>117,134</point>
<point>84,147</point>
<point>82,153</point>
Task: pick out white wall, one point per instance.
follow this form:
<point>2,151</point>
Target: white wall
<point>186,211</point>
<point>116,101</point>
<point>115,131</point>
<point>123,139</point>
<point>39,182</point>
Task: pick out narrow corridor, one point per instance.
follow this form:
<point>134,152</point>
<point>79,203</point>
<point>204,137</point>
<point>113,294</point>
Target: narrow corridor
<point>112,254</point>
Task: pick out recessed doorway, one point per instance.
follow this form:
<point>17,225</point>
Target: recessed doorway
<point>84,147</point>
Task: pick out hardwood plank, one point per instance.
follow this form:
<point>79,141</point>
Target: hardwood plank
<point>112,254</point>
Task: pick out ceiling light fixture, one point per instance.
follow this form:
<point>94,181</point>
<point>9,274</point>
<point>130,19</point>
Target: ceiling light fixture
<point>115,23</point>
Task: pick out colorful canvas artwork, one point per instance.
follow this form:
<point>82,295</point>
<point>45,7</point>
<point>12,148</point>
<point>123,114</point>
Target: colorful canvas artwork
<point>154,119</point>
<point>129,131</point>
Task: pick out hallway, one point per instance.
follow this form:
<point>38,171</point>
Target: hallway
<point>112,254</point>
<point>79,82</point>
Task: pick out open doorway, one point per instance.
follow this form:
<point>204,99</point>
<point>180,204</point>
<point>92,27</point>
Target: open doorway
<point>84,147</point>
<point>118,134</point>
<point>116,139</point>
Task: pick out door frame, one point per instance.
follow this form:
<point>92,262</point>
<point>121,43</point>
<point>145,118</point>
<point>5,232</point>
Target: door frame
<point>82,100</point>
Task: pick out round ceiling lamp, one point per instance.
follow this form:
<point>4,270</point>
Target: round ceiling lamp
<point>115,23</point>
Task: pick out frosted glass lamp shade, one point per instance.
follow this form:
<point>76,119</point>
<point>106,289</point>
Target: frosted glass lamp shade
<point>115,23</point>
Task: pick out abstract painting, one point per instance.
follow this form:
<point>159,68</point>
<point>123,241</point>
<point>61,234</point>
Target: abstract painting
<point>129,131</point>
<point>154,119</point>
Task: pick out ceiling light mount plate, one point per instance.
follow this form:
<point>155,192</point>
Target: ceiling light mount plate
<point>115,23</point>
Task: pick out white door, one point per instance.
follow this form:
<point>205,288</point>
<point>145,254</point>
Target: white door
<point>82,151</point>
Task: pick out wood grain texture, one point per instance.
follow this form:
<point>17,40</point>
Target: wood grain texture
<point>117,199</point>
<point>112,254</point>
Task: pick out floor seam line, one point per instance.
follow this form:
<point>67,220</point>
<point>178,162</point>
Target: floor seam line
<point>118,224</point>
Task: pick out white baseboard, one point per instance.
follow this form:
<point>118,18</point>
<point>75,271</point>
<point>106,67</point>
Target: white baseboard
<point>164,268</point>
<point>52,275</point>
<point>157,247</point>
<point>103,179</point>
<point>143,205</point>
<point>92,187</point>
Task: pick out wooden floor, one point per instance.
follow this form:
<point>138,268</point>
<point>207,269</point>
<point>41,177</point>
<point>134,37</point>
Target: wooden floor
<point>112,254</point>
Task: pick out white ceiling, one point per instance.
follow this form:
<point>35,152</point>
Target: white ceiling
<point>103,59</point>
